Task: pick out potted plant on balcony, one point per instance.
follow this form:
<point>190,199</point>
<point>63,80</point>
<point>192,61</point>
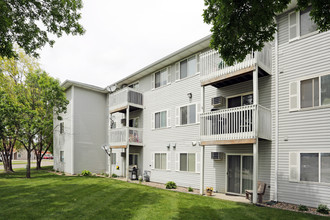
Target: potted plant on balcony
<point>209,191</point>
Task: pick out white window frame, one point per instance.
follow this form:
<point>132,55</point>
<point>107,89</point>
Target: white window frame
<point>178,67</point>
<point>134,83</point>
<point>197,162</point>
<point>168,161</point>
<point>61,127</point>
<point>298,27</point>
<point>168,119</point>
<point>298,154</point>
<point>168,76</point>
<point>241,95</point>
<point>113,157</point>
<point>134,120</point>
<point>61,156</point>
<point>178,114</point>
<point>319,76</point>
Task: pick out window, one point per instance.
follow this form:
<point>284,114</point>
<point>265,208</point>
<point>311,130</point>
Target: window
<point>134,123</point>
<point>309,93</point>
<point>241,100</point>
<point>134,85</point>
<point>313,92</point>
<point>160,161</point>
<point>188,67</point>
<point>113,158</point>
<point>310,167</point>
<point>300,24</point>
<point>133,159</point>
<point>161,119</point>
<point>61,156</point>
<point>61,127</point>
<point>187,114</point>
<point>187,162</point>
<point>161,78</point>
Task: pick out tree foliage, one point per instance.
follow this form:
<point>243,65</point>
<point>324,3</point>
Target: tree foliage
<point>41,99</point>
<point>29,24</point>
<point>240,26</point>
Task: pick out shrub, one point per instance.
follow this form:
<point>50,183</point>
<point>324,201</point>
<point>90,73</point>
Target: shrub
<point>323,209</point>
<point>78,174</point>
<point>302,208</point>
<point>63,174</point>
<point>170,185</point>
<point>140,180</point>
<point>114,175</point>
<point>106,175</point>
<point>102,174</point>
<point>190,189</point>
<point>86,173</point>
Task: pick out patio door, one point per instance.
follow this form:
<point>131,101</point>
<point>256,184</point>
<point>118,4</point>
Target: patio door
<point>239,173</point>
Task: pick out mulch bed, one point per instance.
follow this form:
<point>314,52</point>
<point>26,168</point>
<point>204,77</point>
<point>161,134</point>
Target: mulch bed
<point>292,207</point>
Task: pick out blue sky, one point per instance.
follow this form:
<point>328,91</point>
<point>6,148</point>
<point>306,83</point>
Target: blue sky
<point>122,37</point>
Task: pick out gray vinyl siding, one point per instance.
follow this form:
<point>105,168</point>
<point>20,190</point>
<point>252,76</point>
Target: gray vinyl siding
<point>305,130</point>
<point>90,126</point>
<point>168,98</point>
<point>63,142</point>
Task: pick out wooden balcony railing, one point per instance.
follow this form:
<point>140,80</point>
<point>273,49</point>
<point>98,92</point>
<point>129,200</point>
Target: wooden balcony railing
<point>235,124</point>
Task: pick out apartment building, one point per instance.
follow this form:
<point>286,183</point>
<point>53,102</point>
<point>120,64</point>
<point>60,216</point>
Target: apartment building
<point>191,119</point>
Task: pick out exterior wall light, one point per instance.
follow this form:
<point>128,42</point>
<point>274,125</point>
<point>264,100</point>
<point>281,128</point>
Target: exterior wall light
<point>189,95</point>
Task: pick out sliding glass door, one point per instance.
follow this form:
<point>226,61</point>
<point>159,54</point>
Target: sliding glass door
<point>239,173</point>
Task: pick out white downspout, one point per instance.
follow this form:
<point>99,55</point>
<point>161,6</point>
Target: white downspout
<point>276,113</point>
<point>72,130</point>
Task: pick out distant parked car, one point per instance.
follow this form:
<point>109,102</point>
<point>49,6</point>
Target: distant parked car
<point>48,156</point>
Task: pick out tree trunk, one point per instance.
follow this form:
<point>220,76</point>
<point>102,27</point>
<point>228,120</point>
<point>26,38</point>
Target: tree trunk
<point>6,160</point>
<point>28,166</point>
<point>38,164</point>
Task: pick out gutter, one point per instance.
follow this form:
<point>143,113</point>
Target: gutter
<point>276,113</point>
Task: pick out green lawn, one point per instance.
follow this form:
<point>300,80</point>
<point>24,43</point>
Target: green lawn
<point>51,196</point>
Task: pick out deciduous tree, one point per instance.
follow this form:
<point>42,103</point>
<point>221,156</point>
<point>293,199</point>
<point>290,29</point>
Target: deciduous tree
<point>240,26</point>
<point>30,23</point>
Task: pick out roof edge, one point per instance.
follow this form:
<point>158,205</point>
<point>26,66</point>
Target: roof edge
<point>69,83</point>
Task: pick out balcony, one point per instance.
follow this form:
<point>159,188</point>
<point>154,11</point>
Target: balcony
<point>215,72</point>
<point>125,98</point>
<point>118,137</point>
<point>235,125</point>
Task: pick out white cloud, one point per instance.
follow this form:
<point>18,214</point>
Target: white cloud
<point>122,37</point>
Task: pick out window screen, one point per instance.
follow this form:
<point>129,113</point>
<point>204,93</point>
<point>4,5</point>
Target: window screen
<point>309,167</point>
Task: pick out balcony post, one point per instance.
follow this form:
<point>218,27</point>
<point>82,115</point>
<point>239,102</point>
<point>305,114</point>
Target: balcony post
<point>255,146</point>
<point>127,143</point>
<point>110,163</point>
<point>201,190</point>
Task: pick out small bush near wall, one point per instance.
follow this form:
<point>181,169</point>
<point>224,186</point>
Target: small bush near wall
<point>302,208</point>
<point>86,173</point>
<point>323,209</point>
<point>170,185</point>
<point>114,175</point>
<point>190,189</point>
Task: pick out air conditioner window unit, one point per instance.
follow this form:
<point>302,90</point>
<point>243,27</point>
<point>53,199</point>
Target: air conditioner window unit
<point>217,155</point>
<point>218,101</point>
